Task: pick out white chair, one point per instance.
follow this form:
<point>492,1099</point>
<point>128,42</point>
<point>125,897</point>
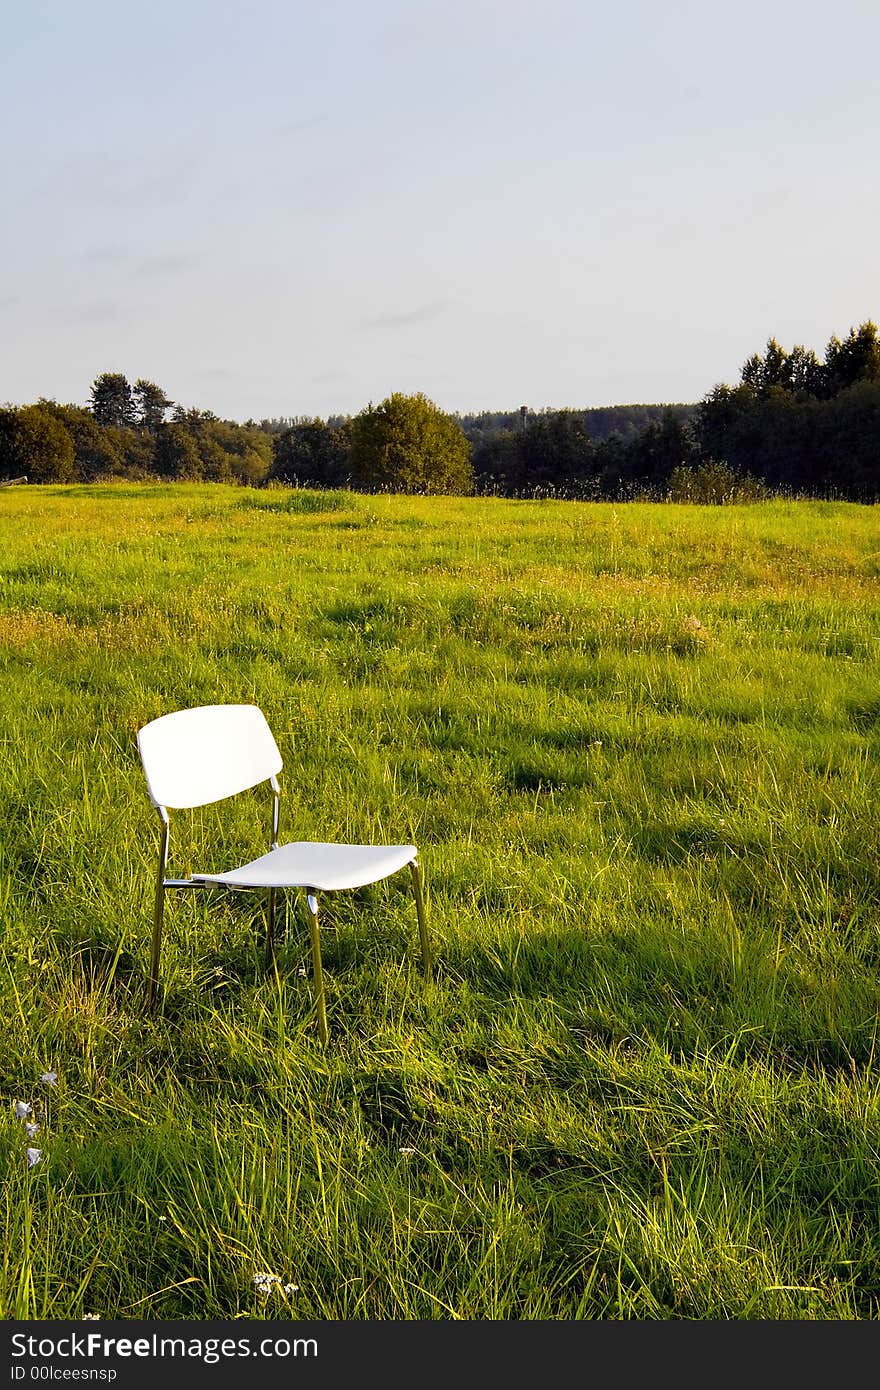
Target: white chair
<point>197,756</point>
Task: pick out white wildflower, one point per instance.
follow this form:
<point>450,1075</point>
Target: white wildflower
<point>33,1156</point>
<point>406,1153</point>
<point>91,1317</point>
<point>264,1283</point>
<point>31,1130</point>
<point>49,1078</point>
<point>22,1109</point>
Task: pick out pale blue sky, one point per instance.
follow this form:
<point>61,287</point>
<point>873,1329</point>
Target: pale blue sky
<point>290,208</point>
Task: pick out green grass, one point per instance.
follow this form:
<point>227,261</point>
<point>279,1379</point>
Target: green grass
<point>637,748</point>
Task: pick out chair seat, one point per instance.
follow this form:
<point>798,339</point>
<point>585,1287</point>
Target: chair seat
<point>325,868</point>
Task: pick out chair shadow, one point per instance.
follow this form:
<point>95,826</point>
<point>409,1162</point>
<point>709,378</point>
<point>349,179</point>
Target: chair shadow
<point>353,929</point>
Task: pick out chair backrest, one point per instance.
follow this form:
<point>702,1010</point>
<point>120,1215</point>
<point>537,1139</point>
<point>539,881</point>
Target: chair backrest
<point>196,756</point>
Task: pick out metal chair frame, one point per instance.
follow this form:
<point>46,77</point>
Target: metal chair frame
<point>163,883</point>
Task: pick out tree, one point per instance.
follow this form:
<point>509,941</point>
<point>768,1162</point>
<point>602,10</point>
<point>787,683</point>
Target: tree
<point>556,452</point>
<point>805,371</point>
<point>8,452</point>
<point>96,449</point>
<point>177,453</point>
<point>196,445</point>
<point>234,453</point>
<point>150,404</point>
<point>799,371</point>
<point>653,456</point>
<point>136,450</point>
<point>852,442</point>
<point>408,444</point>
<point>611,460</point>
<point>550,452</point>
<point>498,465</point>
<point>772,369</point>
<point>111,400</point>
<point>855,359</point>
<point>801,425</point>
<point>313,454</point>
<point>36,444</point>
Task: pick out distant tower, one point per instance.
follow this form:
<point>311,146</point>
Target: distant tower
<point>523,414</point>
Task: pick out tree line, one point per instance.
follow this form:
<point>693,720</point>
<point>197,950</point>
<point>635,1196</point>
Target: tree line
<point>793,424</point>
<point>123,433</point>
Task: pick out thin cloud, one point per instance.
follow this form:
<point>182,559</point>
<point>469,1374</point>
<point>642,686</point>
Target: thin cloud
<point>112,254</point>
<point>100,311</point>
<point>329,377</point>
<point>170,264</point>
<point>435,23</point>
<point>423,314</point>
<point>111,181</point>
<point>296,127</point>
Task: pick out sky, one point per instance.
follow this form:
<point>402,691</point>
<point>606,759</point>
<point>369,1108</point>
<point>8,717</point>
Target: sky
<point>284,208</point>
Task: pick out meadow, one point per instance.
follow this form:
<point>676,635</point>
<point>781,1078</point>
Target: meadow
<point>636,746</point>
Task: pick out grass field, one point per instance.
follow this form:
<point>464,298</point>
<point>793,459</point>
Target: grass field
<point>636,746</point>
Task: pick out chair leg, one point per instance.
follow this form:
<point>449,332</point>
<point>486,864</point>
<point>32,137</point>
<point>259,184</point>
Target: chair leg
<point>270,927</point>
<point>156,951</point>
<point>420,913</point>
<point>312,902</point>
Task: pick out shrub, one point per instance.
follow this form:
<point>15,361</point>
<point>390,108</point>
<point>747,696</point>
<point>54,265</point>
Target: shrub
<point>713,483</point>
